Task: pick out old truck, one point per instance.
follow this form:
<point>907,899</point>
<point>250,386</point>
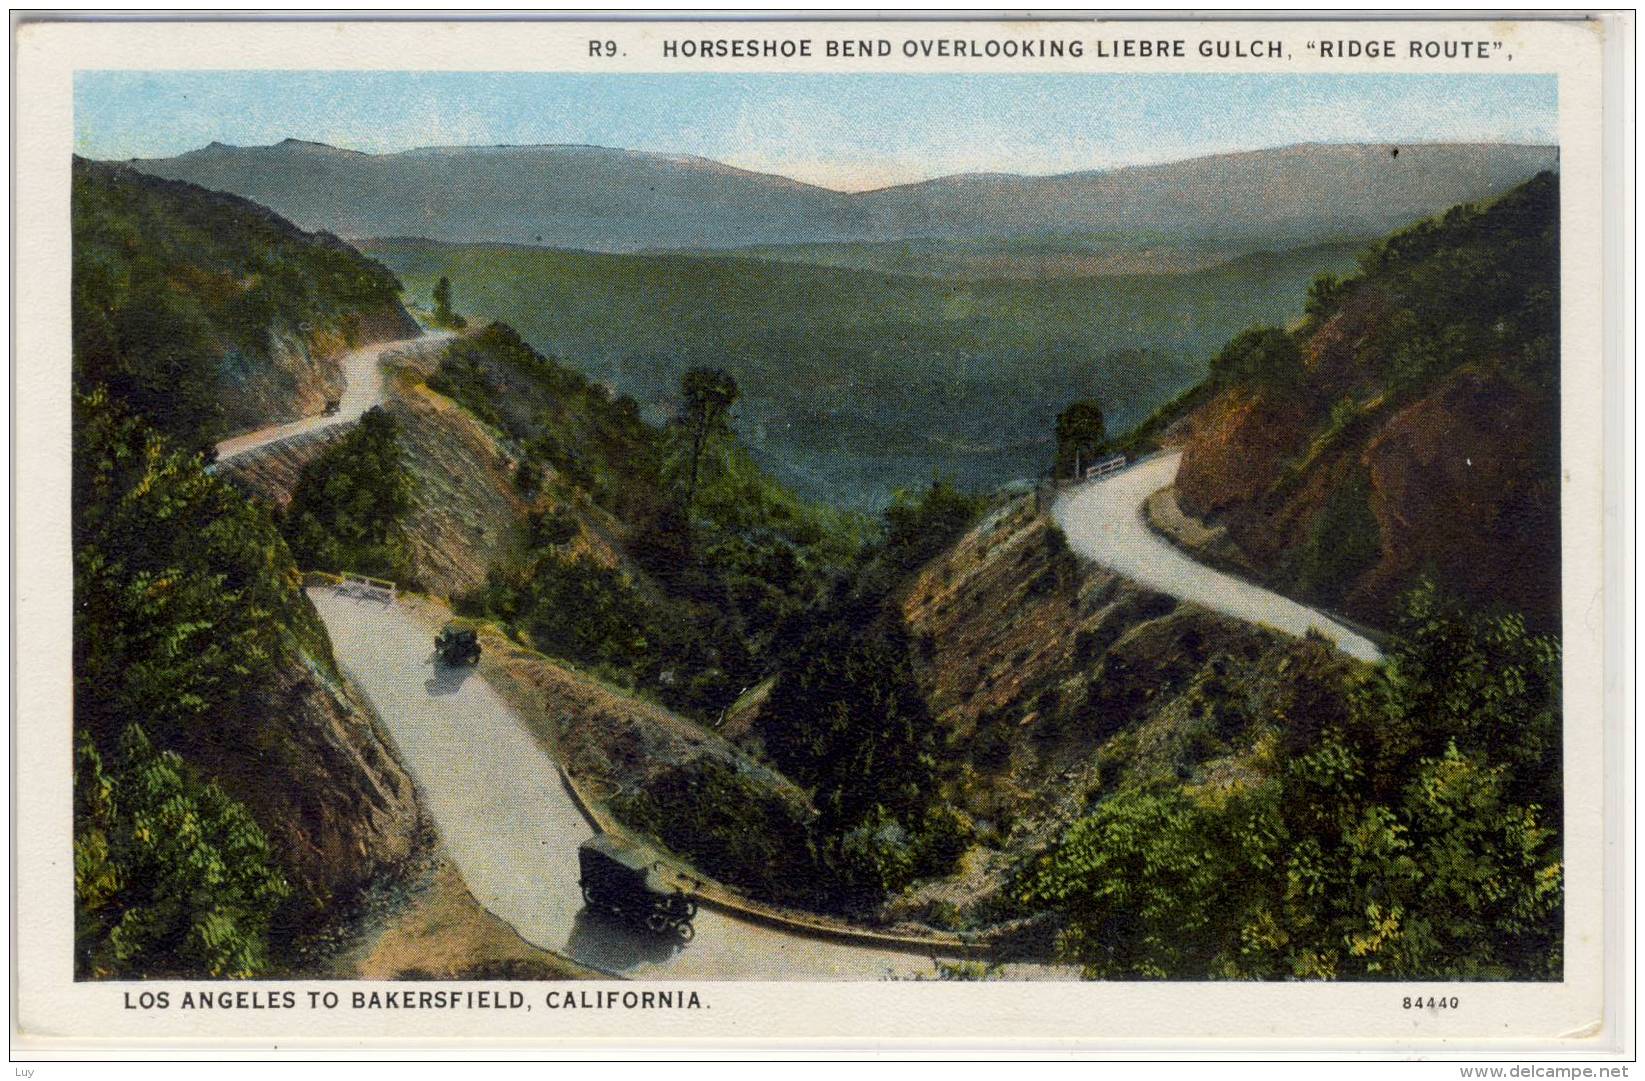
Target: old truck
<point>458,643</point>
<point>628,881</point>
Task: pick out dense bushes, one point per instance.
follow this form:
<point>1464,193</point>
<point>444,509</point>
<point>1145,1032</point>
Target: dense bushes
<point>735,827</point>
<point>183,590</point>
<point>185,600</point>
<point>152,348</point>
<point>1414,835</point>
<point>171,876</point>
<point>1342,544</point>
<point>347,507</point>
<point>847,720</point>
<point>574,607</point>
<point>1263,356</point>
<point>917,527</point>
<point>1479,281</point>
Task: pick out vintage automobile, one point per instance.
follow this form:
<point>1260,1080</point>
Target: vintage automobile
<point>627,881</point>
<point>332,405</point>
<point>458,643</point>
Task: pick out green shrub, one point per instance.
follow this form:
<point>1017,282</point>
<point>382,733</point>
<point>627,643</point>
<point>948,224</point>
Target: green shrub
<point>734,826</point>
<point>918,527</point>
<point>876,856</point>
<point>1143,885</point>
<point>528,477</point>
<point>1343,543</point>
<point>171,876</point>
<point>1409,833</point>
<point>945,834</point>
<point>847,721</point>
<point>350,502</point>
<point>1265,356</point>
<point>1325,293</point>
<point>577,608</point>
<point>184,593</point>
<point>554,527</point>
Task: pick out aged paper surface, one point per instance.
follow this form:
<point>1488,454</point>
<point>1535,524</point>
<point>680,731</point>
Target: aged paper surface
<point>986,533</point>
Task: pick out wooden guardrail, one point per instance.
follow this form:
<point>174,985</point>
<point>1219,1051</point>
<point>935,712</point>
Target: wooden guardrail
<point>1105,467</point>
<point>363,586</point>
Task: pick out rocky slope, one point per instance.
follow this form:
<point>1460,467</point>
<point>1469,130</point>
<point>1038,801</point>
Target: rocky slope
<point>1408,427</point>
<point>469,514</point>
<point>1054,683</point>
<point>333,800</point>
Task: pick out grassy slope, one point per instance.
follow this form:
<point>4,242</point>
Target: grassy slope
<point>856,382</point>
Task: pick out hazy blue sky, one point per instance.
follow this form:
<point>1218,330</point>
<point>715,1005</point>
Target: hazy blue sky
<point>843,131</point>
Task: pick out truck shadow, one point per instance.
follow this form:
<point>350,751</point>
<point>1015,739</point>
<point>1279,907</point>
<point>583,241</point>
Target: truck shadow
<point>447,678</point>
<point>607,942</point>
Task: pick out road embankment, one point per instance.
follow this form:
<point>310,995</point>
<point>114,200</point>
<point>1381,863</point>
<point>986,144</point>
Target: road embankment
<point>1104,521</point>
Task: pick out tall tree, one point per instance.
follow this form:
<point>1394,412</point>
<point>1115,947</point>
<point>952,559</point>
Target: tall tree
<point>442,301</point>
<point>1081,434</point>
<point>708,395</point>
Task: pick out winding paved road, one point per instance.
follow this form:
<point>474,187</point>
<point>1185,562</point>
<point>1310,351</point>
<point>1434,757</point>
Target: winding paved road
<point>498,800</point>
<point>512,829</point>
<point>362,389</point>
<point>1103,522</point>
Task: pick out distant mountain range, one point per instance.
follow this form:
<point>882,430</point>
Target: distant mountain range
<point>600,199</point>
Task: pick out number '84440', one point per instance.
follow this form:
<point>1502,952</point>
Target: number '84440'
<point>1430,1002</point>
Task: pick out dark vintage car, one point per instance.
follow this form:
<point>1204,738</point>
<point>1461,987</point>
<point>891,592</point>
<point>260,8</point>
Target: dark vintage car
<point>627,880</point>
<point>458,643</point>
<point>332,405</point>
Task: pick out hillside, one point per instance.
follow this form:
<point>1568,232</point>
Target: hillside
<point>1147,789</point>
<point>601,199</point>
<point>1055,684</point>
<point>939,716</point>
<point>205,691</point>
<point>210,314</point>
<point>1408,428</point>
<point>858,383</point>
<point>1285,196</point>
<point>235,803</point>
<point>551,512</point>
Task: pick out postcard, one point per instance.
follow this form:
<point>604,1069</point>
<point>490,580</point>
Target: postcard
<point>985,534</point>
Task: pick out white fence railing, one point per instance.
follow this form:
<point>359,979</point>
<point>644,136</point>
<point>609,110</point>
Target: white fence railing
<point>355,585</point>
<point>1105,467</point>
<point>367,588</point>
